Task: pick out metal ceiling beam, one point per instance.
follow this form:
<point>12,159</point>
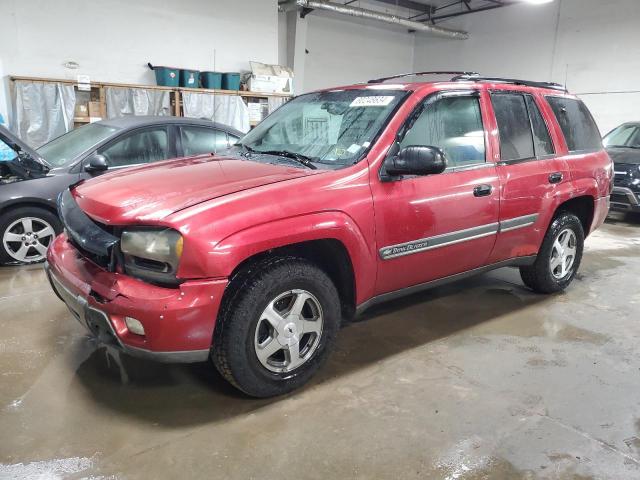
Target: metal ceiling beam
<point>466,8</point>
<point>341,8</point>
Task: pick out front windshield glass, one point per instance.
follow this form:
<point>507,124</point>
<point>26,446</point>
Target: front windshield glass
<point>623,136</point>
<point>63,150</point>
<point>331,129</point>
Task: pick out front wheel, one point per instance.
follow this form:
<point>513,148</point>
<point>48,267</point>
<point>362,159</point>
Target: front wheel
<point>26,234</point>
<point>559,257</point>
<point>276,327</point>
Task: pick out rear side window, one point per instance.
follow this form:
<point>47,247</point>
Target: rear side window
<point>542,141</point>
<point>578,127</point>
<point>514,127</point>
<point>201,140</point>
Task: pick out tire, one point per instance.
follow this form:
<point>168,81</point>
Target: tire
<point>553,271</point>
<point>25,234</point>
<point>244,325</point>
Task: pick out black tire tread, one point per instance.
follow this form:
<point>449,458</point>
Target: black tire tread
<point>537,276</point>
<point>241,286</point>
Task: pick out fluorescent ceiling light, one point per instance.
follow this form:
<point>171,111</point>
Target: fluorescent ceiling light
<point>538,2</point>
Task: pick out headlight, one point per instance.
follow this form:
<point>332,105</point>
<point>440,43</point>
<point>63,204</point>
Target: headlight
<point>152,254</point>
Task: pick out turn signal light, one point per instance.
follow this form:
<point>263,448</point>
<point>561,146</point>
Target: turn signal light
<point>134,325</point>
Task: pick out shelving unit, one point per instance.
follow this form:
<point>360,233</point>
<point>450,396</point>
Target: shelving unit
<point>97,94</point>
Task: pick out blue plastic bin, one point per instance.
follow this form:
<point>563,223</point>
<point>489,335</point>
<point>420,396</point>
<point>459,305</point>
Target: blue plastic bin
<point>231,81</point>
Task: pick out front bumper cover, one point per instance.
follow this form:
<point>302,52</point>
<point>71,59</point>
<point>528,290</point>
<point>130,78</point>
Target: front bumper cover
<point>624,199</point>
<point>178,322</point>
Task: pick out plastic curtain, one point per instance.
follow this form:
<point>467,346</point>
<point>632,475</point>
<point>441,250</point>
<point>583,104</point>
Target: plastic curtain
<point>43,111</point>
<point>275,103</point>
<point>226,109</point>
<point>136,101</point>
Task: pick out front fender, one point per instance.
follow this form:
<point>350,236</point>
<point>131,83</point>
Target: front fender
<point>230,252</point>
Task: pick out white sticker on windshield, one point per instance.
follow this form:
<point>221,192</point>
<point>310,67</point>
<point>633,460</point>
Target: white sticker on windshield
<point>374,101</point>
<point>353,148</point>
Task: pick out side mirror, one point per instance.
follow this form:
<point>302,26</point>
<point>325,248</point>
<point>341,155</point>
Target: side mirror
<point>96,163</point>
<point>416,160</point>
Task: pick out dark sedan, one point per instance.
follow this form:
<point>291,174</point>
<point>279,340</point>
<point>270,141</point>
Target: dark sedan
<point>30,180</point>
<point>623,146</point>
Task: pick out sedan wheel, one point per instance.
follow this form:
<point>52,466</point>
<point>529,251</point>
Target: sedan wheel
<point>27,239</point>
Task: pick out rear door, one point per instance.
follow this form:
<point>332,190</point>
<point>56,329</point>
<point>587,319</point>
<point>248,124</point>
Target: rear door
<point>429,227</point>
<point>530,173</point>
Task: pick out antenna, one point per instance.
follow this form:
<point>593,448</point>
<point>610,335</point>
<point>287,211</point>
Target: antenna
<point>215,143</point>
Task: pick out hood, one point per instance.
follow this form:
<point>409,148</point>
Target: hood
<point>624,155</point>
<point>18,145</point>
<point>152,192</point>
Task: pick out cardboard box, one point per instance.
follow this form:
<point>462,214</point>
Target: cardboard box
<point>266,78</point>
<point>257,111</point>
<point>82,110</point>
<point>94,109</point>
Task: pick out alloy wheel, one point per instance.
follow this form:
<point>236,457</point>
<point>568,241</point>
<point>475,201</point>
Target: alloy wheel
<point>563,254</point>
<point>289,330</point>
<point>27,239</point>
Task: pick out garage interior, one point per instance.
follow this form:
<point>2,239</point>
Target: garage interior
<point>479,379</point>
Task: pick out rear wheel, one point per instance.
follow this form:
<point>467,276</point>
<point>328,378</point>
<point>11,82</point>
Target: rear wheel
<point>26,233</point>
<point>559,257</point>
<point>277,326</point>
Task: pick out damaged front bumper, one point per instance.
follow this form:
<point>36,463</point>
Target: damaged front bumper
<point>178,322</point>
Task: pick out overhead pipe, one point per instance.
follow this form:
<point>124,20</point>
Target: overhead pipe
<point>372,15</point>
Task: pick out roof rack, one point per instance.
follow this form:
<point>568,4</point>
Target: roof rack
<point>457,75</point>
<point>474,77</point>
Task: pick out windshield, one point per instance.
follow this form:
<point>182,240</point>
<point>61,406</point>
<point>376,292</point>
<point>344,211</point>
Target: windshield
<point>330,129</point>
<point>63,150</point>
<point>623,136</point>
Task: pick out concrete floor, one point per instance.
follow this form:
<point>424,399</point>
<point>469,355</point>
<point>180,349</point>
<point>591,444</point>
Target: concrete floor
<point>482,379</point>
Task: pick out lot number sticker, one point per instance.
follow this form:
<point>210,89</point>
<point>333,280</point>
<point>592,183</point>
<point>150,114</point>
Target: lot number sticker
<point>377,101</point>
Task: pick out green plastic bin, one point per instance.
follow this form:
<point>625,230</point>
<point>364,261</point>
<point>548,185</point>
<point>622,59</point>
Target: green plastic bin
<point>189,78</point>
<point>166,76</point>
<point>231,81</point>
<point>212,80</point>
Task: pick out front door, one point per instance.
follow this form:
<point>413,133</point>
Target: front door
<point>429,227</point>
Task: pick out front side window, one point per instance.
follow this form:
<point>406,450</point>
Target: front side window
<point>201,140</point>
<point>453,124</point>
<point>625,136</point>
<point>514,128</point>
<point>141,147</point>
<point>576,123</point>
<point>331,129</point>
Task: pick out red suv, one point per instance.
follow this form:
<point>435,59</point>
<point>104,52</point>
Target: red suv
<point>341,199</point>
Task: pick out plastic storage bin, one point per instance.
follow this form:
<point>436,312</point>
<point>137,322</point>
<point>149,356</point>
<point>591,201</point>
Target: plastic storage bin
<point>231,81</point>
<point>166,76</point>
<point>189,78</point>
<point>211,80</point>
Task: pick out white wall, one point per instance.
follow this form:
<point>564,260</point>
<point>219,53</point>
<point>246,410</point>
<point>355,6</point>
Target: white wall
<point>112,40</point>
<point>589,44</point>
<point>343,50</point>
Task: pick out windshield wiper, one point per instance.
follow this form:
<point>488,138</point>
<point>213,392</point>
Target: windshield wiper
<point>304,160</point>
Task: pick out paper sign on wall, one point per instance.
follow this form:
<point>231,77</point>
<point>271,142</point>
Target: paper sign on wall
<point>373,101</point>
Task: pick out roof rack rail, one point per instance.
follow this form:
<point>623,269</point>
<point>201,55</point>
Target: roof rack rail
<point>457,75</point>
<point>474,77</point>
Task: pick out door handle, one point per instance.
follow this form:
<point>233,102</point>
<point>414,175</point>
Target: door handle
<point>556,177</point>
<point>482,190</point>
